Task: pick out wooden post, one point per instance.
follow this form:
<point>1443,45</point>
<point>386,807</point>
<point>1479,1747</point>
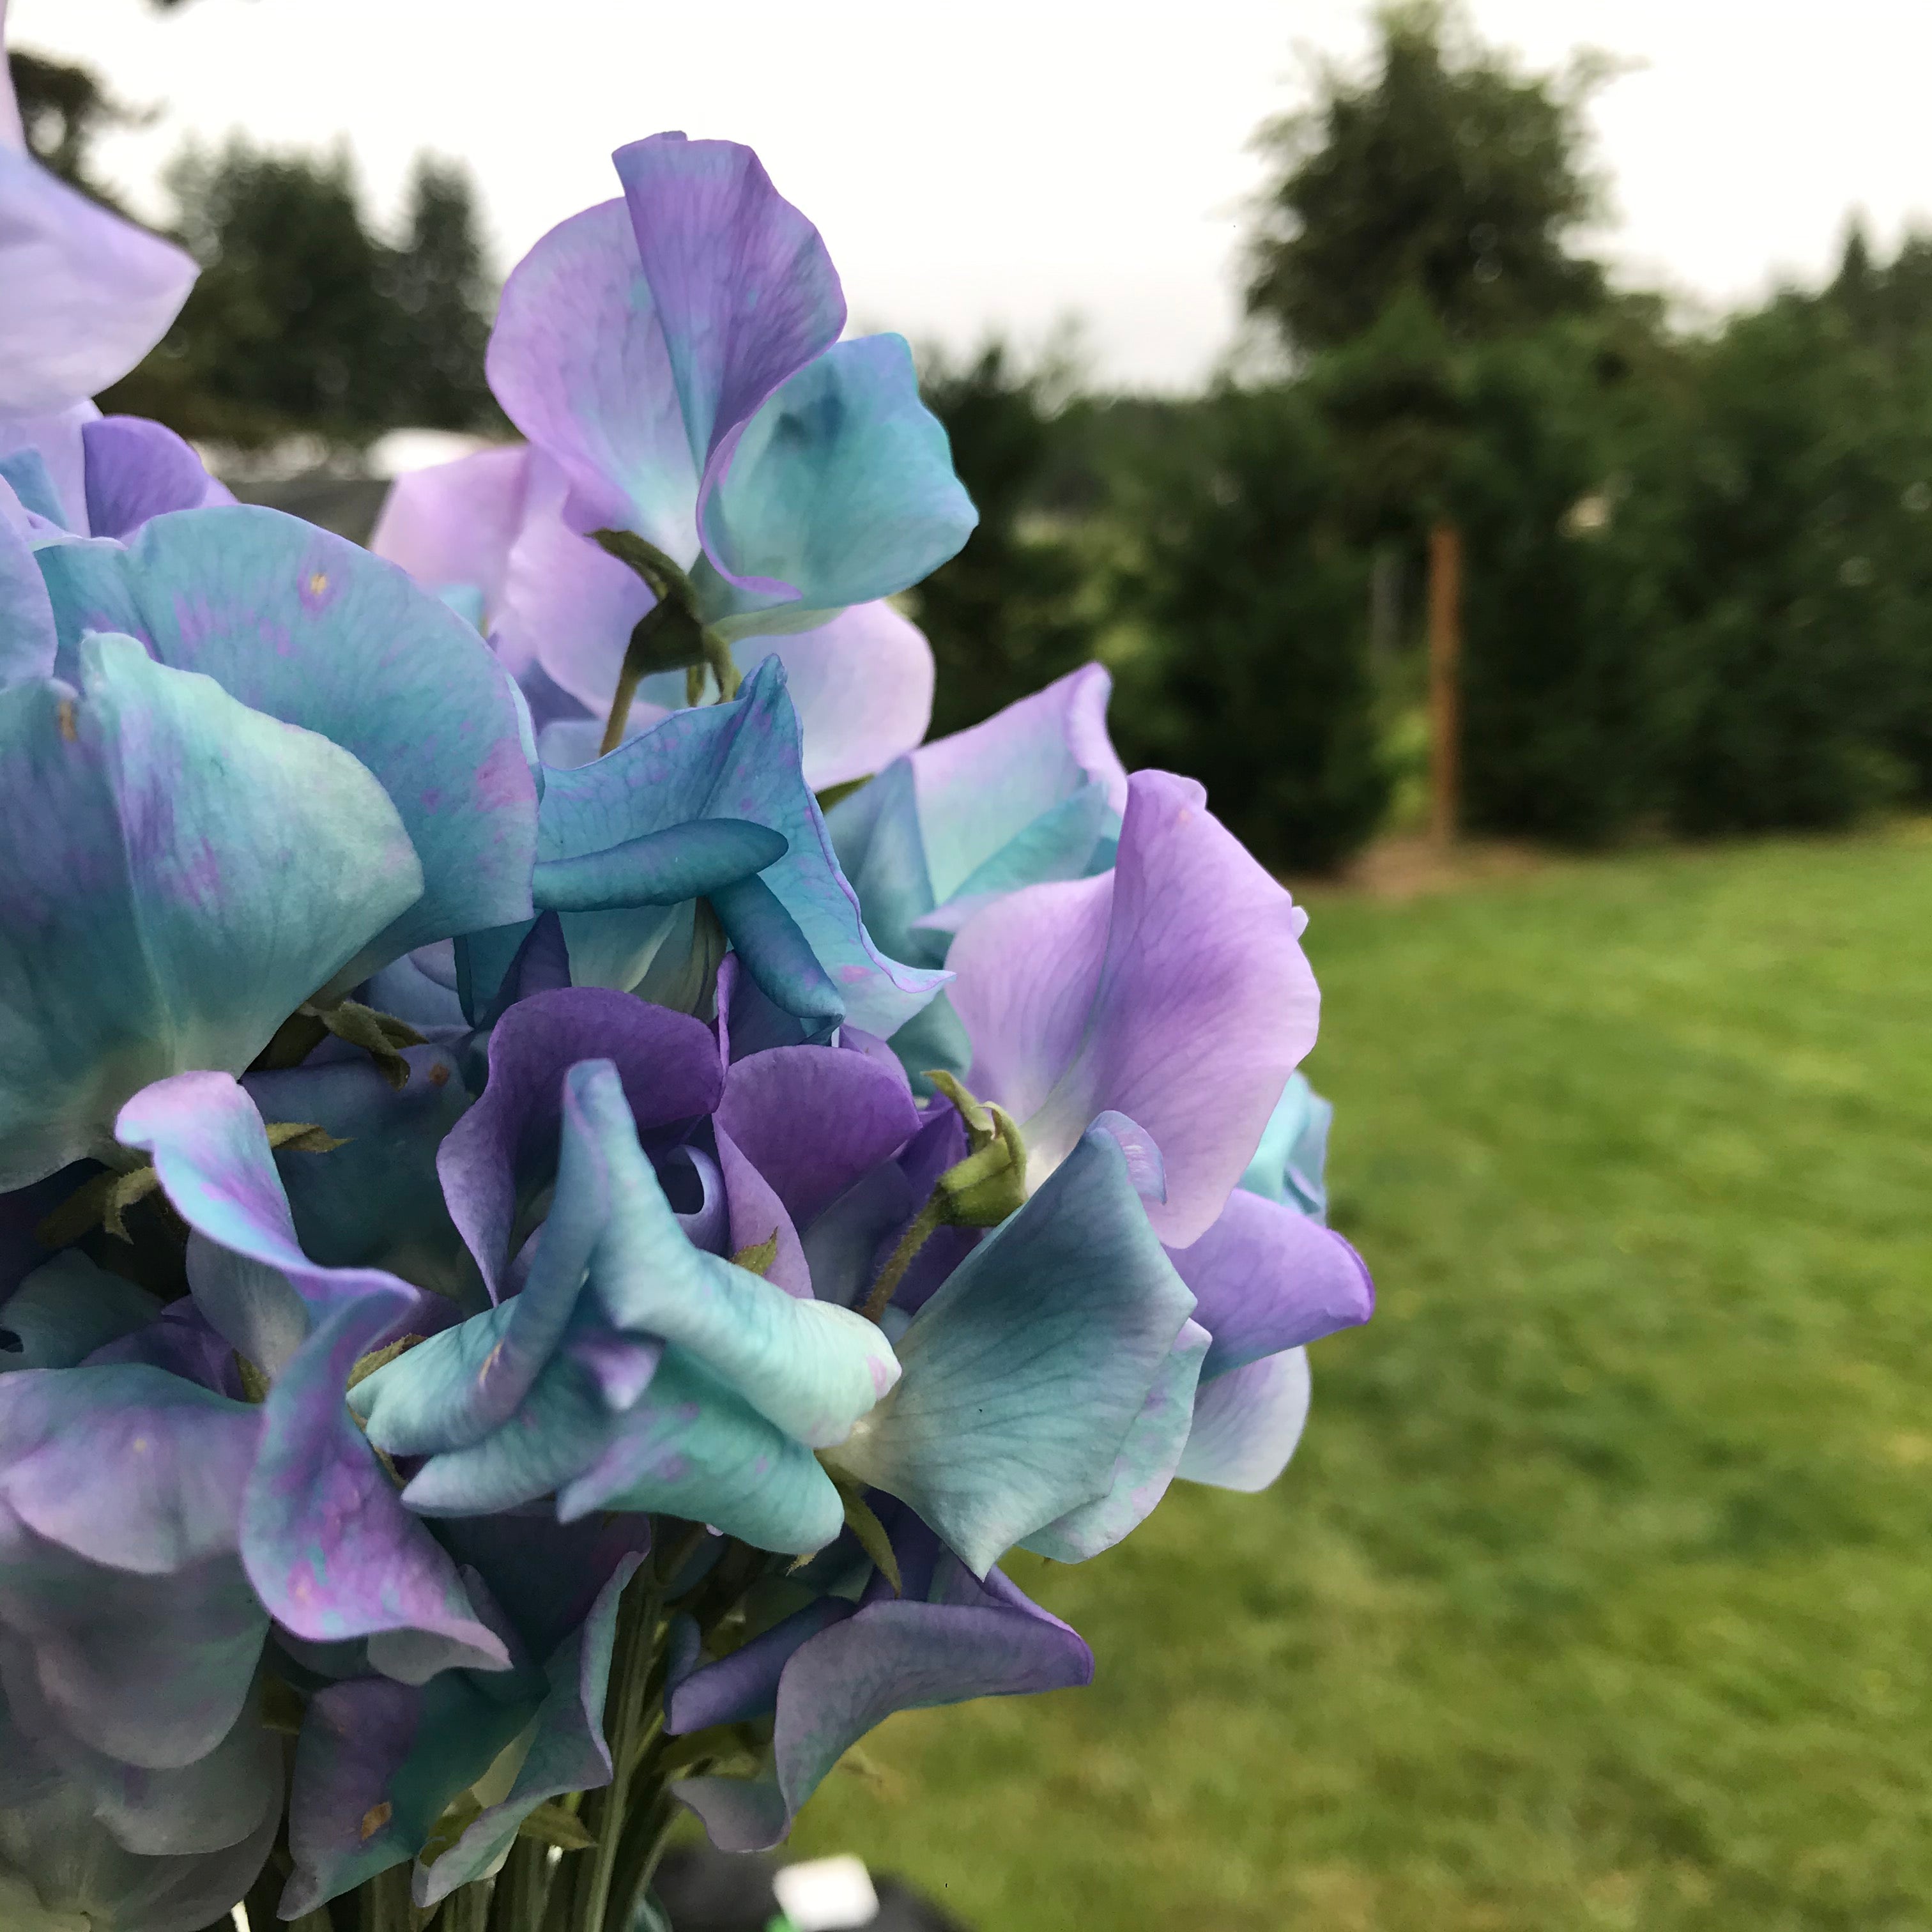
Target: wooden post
<point>1445,653</point>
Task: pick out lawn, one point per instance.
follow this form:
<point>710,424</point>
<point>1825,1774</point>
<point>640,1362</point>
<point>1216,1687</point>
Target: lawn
<point>1600,1593</point>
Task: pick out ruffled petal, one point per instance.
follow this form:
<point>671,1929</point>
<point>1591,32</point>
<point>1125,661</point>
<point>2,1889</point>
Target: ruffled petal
<point>741,760</point>
<point>1024,1373</point>
<point>982,788</point>
<point>1268,1278</point>
<point>1173,989</point>
<point>745,293</point>
<point>841,490</point>
<point>310,629</point>
<point>667,1062</point>
<point>452,525</point>
<point>84,294</point>
<point>1247,1424</point>
<point>577,360</point>
<point>180,872</point>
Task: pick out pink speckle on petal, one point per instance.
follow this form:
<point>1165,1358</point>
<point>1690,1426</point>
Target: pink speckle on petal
<point>853,975</point>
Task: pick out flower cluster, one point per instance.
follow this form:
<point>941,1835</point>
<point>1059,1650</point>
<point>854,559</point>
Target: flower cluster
<point>545,1257</point>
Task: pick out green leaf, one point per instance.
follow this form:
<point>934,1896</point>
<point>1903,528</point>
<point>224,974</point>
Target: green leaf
<point>758,1258</point>
<point>552,1825</point>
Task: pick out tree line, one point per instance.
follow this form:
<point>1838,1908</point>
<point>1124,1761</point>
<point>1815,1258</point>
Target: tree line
<point>1698,581</point>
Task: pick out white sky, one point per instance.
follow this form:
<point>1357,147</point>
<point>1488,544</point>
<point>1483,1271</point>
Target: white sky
<point>995,163</point>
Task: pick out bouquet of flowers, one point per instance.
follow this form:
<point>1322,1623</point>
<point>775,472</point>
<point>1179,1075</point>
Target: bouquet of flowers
<point>568,1189</point>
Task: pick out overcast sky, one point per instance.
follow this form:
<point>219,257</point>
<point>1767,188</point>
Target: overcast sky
<point>1003,164</point>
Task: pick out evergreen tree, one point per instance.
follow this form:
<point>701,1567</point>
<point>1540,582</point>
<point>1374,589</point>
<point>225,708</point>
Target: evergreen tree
<point>1254,674</point>
<point>1446,173</point>
<point>1003,616</point>
<point>442,287</point>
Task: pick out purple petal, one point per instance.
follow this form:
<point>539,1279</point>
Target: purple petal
<point>1247,1424</point>
<point>758,1215</point>
<point>136,470</point>
<point>745,1684</point>
<point>567,606</point>
<point>577,359</point>
<point>84,294</point>
<point>814,1122</point>
<point>453,525</point>
<point>668,1061</point>
<point>1173,989</point>
<point>1267,1278</point>
<point>976,1641</point>
<point>862,685</point>
<point>745,293</point>
<point>328,1545</point>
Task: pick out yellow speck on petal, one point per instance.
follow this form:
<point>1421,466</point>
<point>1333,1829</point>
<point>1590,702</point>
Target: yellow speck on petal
<point>318,584</point>
<point>140,1445</point>
<point>375,1818</point>
<point>67,728</point>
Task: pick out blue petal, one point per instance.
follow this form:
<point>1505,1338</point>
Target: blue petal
<point>308,628</point>
<point>566,1753</point>
<point>660,869</point>
<point>741,761</point>
<point>1145,1466</point>
<point>1288,1165</point>
<point>179,872</point>
<point>841,490</point>
<point>26,617</point>
<point>66,1310</point>
<point>1025,1373</point>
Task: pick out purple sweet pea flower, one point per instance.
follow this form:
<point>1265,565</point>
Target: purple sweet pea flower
<point>630,1364</point>
<point>1172,989</point>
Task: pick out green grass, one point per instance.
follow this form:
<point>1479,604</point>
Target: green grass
<point>1600,1593</point>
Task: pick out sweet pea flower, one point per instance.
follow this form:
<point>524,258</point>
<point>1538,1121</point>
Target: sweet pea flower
<point>1171,990</point>
<point>629,1363</point>
<point>486,533</point>
<point>245,765</point>
<point>674,357</point>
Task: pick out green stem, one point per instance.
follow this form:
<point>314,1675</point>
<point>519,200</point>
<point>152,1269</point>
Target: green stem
<point>911,1242</point>
<point>589,1873</point>
<point>466,1909</point>
<point>637,658</point>
<point>516,1904</point>
<point>386,1901</point>
<point>646,1834</point>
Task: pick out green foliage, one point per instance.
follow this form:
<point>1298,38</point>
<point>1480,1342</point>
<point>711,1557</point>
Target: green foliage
<point>1568,678</point>
<point>1446,175</point>
<point>64,111</point>
<point>1003,616</point>
<point>1596,1594</point>
<point>304,319</point>
<point>1253,675</point>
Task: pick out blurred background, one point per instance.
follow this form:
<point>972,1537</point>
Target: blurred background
<point>1597,1595</point>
